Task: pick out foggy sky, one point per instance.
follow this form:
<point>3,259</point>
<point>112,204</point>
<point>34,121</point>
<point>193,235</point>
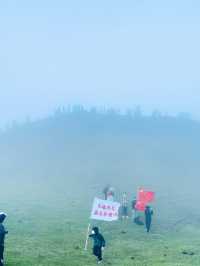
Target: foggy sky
<point>114,53</point>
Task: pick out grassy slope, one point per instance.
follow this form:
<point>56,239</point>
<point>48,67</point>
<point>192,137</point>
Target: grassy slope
<point>54,234</point>
<point>49,171</point>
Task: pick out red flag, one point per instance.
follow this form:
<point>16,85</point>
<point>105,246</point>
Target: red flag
<point>140,206</point>
<point>144,197</point>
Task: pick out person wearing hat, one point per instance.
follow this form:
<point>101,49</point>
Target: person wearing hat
<point>3,232</point>
<point>99,243</point>
<point>148,217</point>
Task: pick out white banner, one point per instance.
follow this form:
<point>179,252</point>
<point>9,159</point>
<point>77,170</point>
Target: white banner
<point>105,210</point>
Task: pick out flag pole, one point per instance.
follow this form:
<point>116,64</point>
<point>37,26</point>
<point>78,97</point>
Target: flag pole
<point>137,199</point>
<point>137,195</point>
<point>87,237</point>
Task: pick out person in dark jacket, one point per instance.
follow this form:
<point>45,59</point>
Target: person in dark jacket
<point>148,217</point>
<point>134,210</point>
<point>99,243</point>
<point>105,191</point>
<point>3,232</point>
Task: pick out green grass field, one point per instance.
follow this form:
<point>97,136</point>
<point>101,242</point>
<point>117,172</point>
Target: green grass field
<point>51,170</point>
<point>52,233</point>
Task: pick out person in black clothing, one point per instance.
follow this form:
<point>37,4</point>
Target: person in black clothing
<point>105,191</point>
<point>134,210</point>
<point>99,243</point>
<point>148,217</point>
<point>3,232</point>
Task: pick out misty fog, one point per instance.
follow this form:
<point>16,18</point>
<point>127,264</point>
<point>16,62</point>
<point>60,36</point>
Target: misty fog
<point>74,153</point>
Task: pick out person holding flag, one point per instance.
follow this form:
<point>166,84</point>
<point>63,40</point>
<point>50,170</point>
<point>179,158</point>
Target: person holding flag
<point>148,217</point>
<point>99,243</point>
<point>110,194</point>
<point>144,198</point>
<point>105,191</point>
<point>102,210</point>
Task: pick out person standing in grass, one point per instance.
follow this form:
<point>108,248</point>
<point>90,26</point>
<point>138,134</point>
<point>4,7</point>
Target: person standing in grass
<point>124,206</point>
<point>99,243</point>
<point>134,210</point>
<point>3,232</point>
<point>148,217</point>
<point>110,194</point>
<point>105,191</point>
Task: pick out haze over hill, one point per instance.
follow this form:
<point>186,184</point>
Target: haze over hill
<point>77,148</point>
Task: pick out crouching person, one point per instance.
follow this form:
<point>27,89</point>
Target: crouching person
<point>3,232</point>
<point>99,243</point>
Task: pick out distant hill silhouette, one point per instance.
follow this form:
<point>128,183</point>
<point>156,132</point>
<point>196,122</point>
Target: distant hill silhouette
<point>76,147</point>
